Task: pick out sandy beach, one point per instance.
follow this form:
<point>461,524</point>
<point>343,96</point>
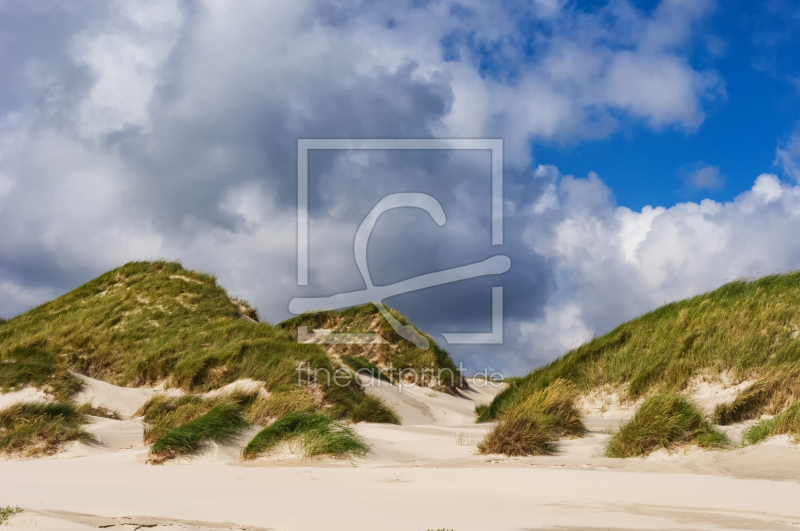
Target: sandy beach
<point>424,474</point>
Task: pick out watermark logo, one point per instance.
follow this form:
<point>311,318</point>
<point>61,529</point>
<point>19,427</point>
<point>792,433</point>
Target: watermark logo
<point>401,378</point>
<point>496,265</point>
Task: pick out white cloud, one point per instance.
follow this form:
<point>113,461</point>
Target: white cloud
<point>705,178</point>
<point>615,263</point>
<point>788,155</point>
<point>125,57</point>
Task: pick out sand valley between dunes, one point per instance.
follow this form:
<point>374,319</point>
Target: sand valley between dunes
<point>422,475</point>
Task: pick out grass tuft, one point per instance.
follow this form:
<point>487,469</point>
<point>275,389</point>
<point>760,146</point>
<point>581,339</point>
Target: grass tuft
<point>278,404</point>
<point>374,409</point>
<point>664,421</point>
<point>30,365</point>
<point>768,395</point>
<point>530,424</point>
<point>99,411</point>
<point>33,429</point>
<point>517,437</point>
<point>7,512</point>
<point>316,434</point>
<point>162,414</point>
<point>220,424</point>
<point>483,412</point>
<point>786,422</point>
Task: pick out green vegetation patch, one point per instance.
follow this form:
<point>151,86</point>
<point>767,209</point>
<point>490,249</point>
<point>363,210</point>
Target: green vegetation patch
<point>7,512</point>
<point>767,396</point>
<point>31,365</point>
<point>744,328</point>
<point>374,409</point>
<point>664,421</point>
<point>529,426</point>
<point>314,433</point>
<point>162,414</point>
<point>220,424</point>
<point>280,403</point>
<point>33,429</point>
<point>786,422</point>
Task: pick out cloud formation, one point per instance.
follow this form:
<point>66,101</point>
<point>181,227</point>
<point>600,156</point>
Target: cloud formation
<point>614,263</point>
<point>144,129</point>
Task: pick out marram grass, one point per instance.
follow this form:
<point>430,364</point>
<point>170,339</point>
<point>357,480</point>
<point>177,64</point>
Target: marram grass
<point>374,409</point>
<point>221,424</point>
<point>314,434</point>
<point>531,425</point>
<point>664,421</point>
<point>785,423</point>
<point>34,429</point>
<point>768,395</point>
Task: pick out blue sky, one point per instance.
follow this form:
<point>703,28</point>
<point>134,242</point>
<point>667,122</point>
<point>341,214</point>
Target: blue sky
<point>758,56</point>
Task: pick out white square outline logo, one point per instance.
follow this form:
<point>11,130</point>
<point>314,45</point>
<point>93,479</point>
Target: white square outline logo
<point>495,145</point>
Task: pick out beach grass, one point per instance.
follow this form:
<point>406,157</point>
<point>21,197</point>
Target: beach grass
<point>34,429</point>
<point>530,425</point>
<point>221,424</point>
<point>162,414</point>
<point>7,512</point>
<point>374,409</point>
<point>280,403</point>
<point>315,434</point>
<point>24,366</point>
<point>398,353</point>
<point>786,422</point>
<point>664,421</point>
<point>767,396</point>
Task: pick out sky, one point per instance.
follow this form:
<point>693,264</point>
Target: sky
<point>651,152</point>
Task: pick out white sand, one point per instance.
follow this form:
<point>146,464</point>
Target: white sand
<point>123,400</point>
<point>421,475</point>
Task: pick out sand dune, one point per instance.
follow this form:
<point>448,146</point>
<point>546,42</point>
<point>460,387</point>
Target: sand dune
<point>423,475</point>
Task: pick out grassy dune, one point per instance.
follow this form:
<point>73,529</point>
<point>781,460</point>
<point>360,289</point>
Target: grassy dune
<point>743,330</point>
<point>398,353</point>
<point>157,322</point>
<point>147,322</point>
